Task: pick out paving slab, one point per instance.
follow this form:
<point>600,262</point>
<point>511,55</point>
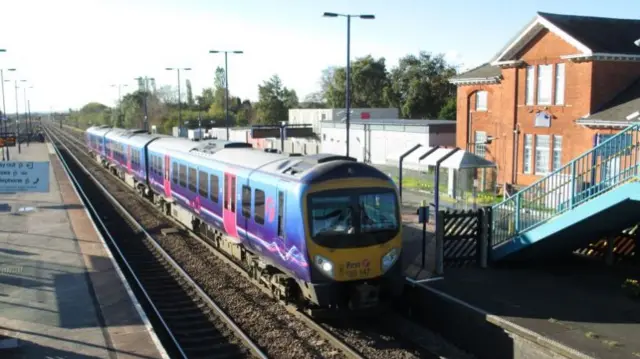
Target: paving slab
<point>60,292</point>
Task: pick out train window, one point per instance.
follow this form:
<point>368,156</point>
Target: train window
<point>183,176</point>
<point>213,192</point>
<point>203,183</point>
<point>174,173</point>
<point>193,179</point>
<point>233,194</point>
<point>258,210</point>
<point>157,165</point>
<point>281,214</point>
<point>246,201</point>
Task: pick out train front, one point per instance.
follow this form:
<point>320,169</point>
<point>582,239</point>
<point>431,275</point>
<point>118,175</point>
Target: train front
<point>354,237</point>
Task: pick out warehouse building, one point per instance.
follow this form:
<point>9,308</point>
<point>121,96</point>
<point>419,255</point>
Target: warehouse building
<point>315,116</point>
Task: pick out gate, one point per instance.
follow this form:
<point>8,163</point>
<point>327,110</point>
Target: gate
<point>464,237</point>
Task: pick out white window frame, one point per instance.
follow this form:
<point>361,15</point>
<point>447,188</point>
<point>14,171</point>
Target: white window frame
<point>560,84</point>
<point>542,154</point>
<point>482,105</point>
<point>527,154</point>
<point>557,150</point>
<point>545,84</point>
<point>530,81</point>
<point>480,144</point>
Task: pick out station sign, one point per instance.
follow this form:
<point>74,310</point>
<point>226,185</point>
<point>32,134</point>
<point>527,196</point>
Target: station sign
<point>24,176</point>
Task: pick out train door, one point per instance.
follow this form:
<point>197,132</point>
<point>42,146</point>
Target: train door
<point>128,159</point>
<point>276,211</point>
<point>229,208</point>
<point>166,178</point>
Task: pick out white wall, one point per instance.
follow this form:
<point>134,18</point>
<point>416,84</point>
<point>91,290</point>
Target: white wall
<point>313,117</point>
<point>373,146</point>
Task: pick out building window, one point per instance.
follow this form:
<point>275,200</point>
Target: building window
<point>544,84</point>
<point>259,209</point>
<point>481,101</point>
<point>557,152</point>
<point>528,144</point>
<point>542,154</point>
<point>559,100</point>
<point>529,90</point>
<point>480,143</point>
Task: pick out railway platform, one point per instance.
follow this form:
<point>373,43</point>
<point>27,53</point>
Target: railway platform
<point>570,308</point>
<point>61,293</point>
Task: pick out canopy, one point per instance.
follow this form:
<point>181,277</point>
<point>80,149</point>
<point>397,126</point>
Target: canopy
<point>458,160</point>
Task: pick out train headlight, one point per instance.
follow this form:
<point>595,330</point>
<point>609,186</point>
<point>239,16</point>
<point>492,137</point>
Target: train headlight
<point>390,258</point>
<point>324,265</point>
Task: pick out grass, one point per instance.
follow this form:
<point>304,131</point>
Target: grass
<point>427,184</point>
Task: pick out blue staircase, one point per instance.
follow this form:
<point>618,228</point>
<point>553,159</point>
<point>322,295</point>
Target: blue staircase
<point>594,195</point>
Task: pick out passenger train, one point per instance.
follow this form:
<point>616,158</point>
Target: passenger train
<point>320,230</point>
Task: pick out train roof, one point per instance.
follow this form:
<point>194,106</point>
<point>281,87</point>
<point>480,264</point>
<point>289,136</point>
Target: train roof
<point>99,130</point>
<point>185,145</point>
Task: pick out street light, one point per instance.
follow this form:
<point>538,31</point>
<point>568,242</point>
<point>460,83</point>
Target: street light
<point>145,125</point>
<point>120,86</point>
<point>226,84</point>
<point>4,111</point>
<point>18,116</point>
<point>179,97</point>
<point>27,112</point>
<point>348,74</point>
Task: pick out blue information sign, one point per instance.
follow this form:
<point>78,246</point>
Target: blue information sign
<point>24,176</point>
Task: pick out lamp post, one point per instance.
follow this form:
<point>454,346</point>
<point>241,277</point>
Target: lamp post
<point>226,84</point>
<point>179,97</point>
<point>18,116</point>
<point>348,72</point>
<point>144,82</point>
<point>27,112</point>
<point>120,86</point>
<point>4,112</point>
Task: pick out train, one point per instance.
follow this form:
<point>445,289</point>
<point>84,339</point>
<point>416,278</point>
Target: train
<point>323,230</point>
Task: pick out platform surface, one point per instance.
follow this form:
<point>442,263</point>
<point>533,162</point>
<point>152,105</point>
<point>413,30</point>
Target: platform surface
<point>60,294</point>
<point>577,302</point>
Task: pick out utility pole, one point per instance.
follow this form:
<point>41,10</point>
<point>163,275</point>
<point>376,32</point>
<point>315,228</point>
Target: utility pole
<point>226,85</point>
<point>348,72</point>
<point>179,97</point>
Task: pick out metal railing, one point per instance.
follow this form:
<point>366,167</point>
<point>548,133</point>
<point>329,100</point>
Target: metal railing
<point>608,165</point>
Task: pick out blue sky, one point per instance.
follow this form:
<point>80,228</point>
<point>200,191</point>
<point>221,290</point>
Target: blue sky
<point>71,51</point>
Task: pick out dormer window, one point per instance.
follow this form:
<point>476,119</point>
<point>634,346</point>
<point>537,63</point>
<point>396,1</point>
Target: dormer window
<point>481,101</point>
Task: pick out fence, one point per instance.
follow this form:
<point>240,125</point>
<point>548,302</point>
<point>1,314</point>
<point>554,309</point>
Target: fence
<point>463,237</point>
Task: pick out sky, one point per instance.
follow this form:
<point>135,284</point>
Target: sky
<point>71,51</point>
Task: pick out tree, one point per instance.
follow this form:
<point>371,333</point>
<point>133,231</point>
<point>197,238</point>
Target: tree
<point>368,83</point>
<point>420,85</point>
<point>190,101</point>
<point>274,102</point>
<point>205,100</point>
<point>168,95</point>
<point>448,111</point>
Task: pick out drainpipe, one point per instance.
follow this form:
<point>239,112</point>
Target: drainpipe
<point>469,122</point>
<point>516,131</point>
<point>516,137</point>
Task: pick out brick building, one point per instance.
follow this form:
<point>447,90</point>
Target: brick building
<point>558,88</point>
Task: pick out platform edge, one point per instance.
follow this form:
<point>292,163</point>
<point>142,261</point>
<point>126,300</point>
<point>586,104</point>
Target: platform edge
<point>154,337</point>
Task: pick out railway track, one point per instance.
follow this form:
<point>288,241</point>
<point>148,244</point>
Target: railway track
<point>384,338</point>
<point>191,323</point>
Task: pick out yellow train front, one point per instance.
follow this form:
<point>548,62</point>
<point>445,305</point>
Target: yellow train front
<point>353,230</point>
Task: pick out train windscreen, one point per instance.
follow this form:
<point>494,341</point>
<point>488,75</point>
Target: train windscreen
<point>353,218</point>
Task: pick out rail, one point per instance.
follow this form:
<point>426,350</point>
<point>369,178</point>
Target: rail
<point>221,314</point>
<point>608,165</point>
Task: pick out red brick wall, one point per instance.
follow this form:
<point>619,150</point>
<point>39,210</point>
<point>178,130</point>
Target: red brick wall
<point>504,110</point>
